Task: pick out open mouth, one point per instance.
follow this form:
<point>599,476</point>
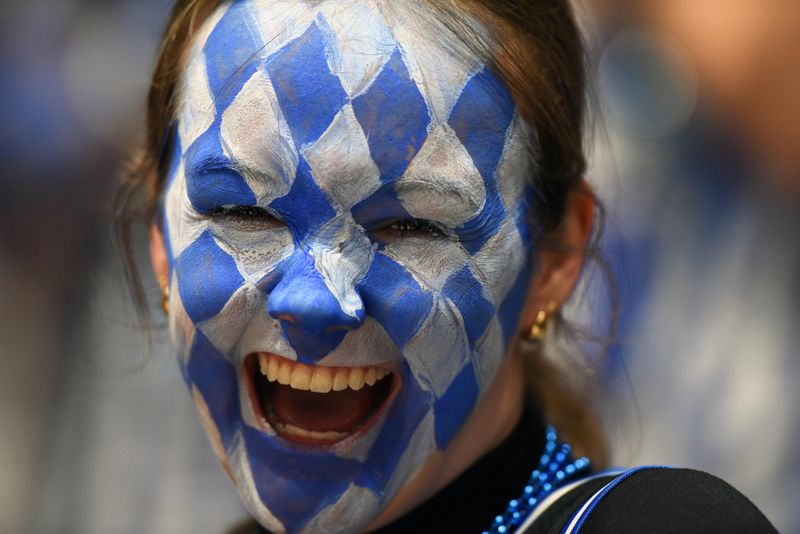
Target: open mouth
<point>316,404</point>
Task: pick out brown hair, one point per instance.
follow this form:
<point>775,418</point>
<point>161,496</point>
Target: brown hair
<point>535,48</point>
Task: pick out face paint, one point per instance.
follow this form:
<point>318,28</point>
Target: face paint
<point>348,199</point>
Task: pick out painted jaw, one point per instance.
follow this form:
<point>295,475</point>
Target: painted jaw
<point>345,194</point>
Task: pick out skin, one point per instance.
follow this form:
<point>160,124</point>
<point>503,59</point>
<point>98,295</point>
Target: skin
<point>309,316</point>
<point>498,411</point>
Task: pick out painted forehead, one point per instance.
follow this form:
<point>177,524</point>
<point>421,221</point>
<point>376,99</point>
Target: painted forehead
<point>358,93</point>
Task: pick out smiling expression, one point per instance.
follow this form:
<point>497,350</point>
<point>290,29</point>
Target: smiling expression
<point>346,222</point>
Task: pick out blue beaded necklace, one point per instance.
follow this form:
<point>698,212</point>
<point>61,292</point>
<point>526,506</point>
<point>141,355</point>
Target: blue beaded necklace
<point>556,466</point>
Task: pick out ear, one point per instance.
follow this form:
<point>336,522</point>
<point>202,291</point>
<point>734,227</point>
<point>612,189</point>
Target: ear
<point>559,267</point>
<point>158,256</point>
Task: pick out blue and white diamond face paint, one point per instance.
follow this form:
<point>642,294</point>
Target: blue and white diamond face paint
<point>349,193</point>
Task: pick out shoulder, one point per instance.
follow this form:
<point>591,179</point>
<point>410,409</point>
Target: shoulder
<point>652,499</point>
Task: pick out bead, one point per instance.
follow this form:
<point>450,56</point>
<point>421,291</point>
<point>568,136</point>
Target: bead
<point>554,467</point>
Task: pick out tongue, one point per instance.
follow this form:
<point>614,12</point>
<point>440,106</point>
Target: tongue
<point>339,411</point>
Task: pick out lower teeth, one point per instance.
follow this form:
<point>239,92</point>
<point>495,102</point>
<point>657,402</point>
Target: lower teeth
<point>296,431</point>
<point>291,430</point>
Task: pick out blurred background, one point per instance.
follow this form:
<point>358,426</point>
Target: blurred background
<point>695,152</point>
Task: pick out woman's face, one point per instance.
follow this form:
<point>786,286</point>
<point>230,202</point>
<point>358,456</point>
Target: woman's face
<point>346,228</point>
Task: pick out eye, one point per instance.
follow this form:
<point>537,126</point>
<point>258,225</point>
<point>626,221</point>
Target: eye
<point>249,218</point>
<point>416,226</point>
<point>407,228</point>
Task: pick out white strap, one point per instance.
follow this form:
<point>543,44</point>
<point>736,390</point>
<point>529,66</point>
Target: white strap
<point>570,529</point>
<point>587,508</point>
<point>553,497</point>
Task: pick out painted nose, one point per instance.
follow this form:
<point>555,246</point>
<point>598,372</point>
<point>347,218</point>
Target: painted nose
<point>313,319</point>
<point>306,303</point>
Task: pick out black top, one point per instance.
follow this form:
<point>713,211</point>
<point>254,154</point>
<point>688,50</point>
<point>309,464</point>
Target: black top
<point>659,501</point>
<point>656,501</point>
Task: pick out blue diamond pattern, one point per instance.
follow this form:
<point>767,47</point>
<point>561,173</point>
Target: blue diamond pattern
<point>452,408</point>
<point>381,206</point>
<point>523,219</point>
<point>305,208</point>
<point>407,412</point>
<point>394,299</point>
<point>276,469</point>
<point>510,308</point>
<point>309,95</point>
<point>480,119</point>
<point>208,278</point>
<point>232,52</point>
<point>210,180</point>
<point>394,117</point>
<point>215,378</point>
<point>466,293</point>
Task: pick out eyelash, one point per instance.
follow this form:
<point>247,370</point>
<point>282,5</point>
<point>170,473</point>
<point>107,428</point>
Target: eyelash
<point>244,218</point>
<point>239,211</point>
<point>417,225</point>
<point>255,213</point>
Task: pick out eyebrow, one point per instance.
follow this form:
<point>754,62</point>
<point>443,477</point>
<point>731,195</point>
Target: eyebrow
<point>210,165</point>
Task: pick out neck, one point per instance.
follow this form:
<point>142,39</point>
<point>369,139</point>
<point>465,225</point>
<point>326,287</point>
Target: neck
<point>493,419</point>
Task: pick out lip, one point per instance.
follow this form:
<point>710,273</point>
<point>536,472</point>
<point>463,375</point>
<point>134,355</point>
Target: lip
<point>250,370</point>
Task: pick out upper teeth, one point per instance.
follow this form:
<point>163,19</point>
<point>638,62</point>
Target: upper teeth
<point>315,378</point>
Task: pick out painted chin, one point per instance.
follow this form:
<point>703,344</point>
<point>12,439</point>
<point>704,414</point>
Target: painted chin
<point>317,405</point>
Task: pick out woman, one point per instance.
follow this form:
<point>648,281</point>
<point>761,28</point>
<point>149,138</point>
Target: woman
<point>359,211</point>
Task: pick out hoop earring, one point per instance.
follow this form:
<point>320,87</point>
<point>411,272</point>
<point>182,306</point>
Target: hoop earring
<point>538,329</point>
<point>165,299</point>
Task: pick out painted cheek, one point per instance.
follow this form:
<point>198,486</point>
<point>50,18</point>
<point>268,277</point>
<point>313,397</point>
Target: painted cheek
<point>394,299</point>
<point>215,379</point>
<point>207,278</point>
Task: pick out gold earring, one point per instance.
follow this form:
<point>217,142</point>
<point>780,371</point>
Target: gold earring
<point>539,326</point>
<point>165,299</point>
